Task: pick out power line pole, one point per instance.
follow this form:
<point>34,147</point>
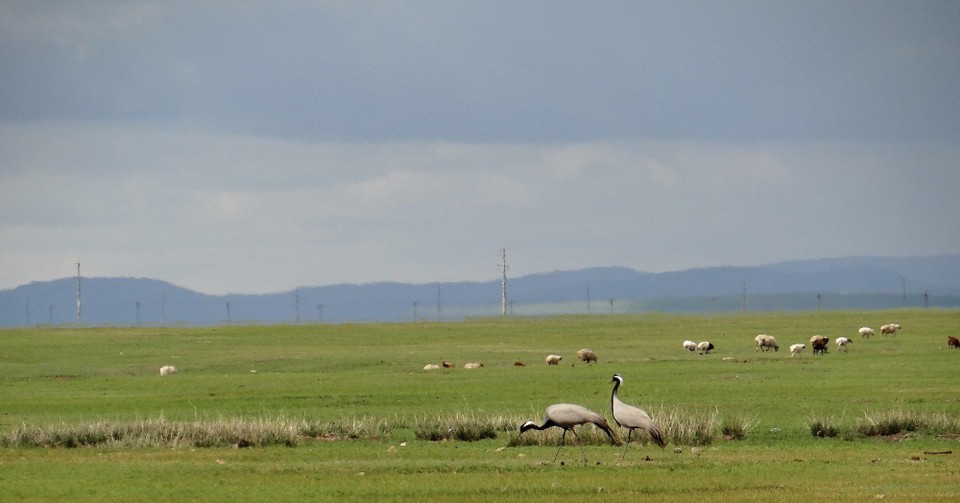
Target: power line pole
<point>503,283</point>
<point>78,293</point>
<point>743,298</point>
<point>296,294</point>
<point>589,311</point>
<point>439,310</point>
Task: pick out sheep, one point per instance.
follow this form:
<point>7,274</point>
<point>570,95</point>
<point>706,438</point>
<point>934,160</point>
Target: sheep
<point>690,345</point>
<point>843,342</point>
<point>519,363</point>
<point>431,366</point>
<point>819,344</point>
<point>705,347</point>
<point>586,356</point>
<point>890,329</point>
<point>765,342</point>
<point>795,349</point>
<point>866,332</point>
<point>554,359</point>
<point>472,365</point>
<point>953,342</point>
<point>449,365</point>
<point>167,370</point>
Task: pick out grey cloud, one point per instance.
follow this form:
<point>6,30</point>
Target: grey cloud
<point>491,71</point>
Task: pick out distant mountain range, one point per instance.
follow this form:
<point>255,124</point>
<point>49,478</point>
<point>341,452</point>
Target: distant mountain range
<point>835,283</point>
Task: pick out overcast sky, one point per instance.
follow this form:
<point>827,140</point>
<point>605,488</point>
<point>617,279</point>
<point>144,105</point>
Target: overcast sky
<point>251,147</point>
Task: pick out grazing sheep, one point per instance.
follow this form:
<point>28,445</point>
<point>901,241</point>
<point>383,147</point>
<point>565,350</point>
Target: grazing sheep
<point>554,359</point>
<point>449,365</point>
<point>167,370</point>
<point>819,344</point>
<point>473,365</point>
<point>842,343</point>
<point>765,342</point>
<point>705,347</point>
<point>586,356</point>
<point>431,366</point>
<point>519,363</point>
<point>795,349</point>
<point>953,342</point>
<point>866,332</point>
<point>890,329</point>
<point>690,345</point>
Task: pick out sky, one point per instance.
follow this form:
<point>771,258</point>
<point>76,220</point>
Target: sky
<point>255,147</point>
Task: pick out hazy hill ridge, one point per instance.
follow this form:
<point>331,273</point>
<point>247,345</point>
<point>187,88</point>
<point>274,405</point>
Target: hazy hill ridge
<point>853,282</point>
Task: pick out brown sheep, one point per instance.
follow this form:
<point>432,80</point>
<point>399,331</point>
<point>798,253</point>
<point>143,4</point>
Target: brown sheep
<point>953,342</point>
<point>449,365</point>
<point>819,344</point>
<point>586,356</point>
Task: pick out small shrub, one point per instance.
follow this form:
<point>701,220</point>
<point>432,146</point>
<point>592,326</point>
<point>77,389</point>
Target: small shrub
<point>819,429</point>
<point>889,423</point>
<point>736,428</point>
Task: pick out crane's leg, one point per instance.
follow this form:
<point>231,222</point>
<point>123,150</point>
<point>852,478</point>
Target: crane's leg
<point>581,445</point>
<point>627,444</point>
<point>560,445</point>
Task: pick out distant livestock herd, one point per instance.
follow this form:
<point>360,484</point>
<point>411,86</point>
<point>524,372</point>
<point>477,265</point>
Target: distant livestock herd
<point>818,343</point>
<point>764,342</point>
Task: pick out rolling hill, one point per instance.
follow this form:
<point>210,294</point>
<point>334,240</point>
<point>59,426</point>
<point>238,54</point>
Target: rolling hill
<point>833,283</point>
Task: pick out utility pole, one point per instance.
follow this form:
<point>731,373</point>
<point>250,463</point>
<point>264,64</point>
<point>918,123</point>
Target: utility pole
<point>415,309</point>
<point>78,293</point>
<point>439,310</point>
<point>320,312</point>
<point>296,295</point>
<point>503,283</point>
<point>588,298</point>
<point>743,298</point>
<point>137,304</point>
<point>228,312</point>
<point>903,289</point>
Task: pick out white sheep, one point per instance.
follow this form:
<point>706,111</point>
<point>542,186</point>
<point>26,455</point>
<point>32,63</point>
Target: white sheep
<point>586,356</point>
<point>765,342</point>
<point>431,366</point>
<point>167,370</point>
<point>795,349</point>
<point>690,345</point>
<point>473,365</point>
<point>842,343</point>
<point>554,359</point>
<point>890,329</point>
<point>705,347</point>
<point>866,332</point>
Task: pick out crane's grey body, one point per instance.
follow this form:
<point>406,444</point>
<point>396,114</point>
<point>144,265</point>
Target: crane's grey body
<point>566,416</point>
<point>632,418</point>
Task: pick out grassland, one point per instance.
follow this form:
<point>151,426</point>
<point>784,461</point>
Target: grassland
<point>355,406</point>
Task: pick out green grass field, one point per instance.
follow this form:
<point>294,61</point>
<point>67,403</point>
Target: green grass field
<point>348,407</point>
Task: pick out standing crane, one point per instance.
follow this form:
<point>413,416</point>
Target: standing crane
<point>632,418</point>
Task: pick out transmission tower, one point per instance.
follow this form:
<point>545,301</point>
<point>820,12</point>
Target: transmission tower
<point>78,293</point>
<point>503,283</point>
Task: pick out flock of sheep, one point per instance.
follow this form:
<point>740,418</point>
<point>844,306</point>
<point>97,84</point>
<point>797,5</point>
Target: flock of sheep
<point>819,343</point>
<point>585,355</point>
